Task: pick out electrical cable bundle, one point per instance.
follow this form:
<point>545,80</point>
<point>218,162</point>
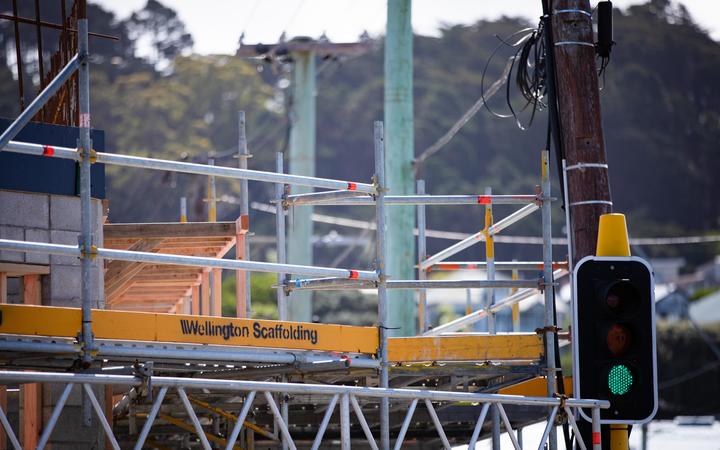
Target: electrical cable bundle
<point>528,70</point>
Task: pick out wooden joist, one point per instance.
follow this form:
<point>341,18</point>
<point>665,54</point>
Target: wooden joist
<point>169,230</point>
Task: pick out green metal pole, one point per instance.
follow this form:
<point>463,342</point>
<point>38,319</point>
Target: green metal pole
<point>302,162</point>
<point>400,152</point>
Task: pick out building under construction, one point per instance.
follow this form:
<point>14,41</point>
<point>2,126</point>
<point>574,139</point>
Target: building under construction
<point>111,335</point>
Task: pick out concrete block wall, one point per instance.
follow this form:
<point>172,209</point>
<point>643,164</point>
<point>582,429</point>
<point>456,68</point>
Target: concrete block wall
<point>37,217</point>
<point>55,218</point>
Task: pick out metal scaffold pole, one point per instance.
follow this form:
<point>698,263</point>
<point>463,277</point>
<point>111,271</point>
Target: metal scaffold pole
<point>381,250</point>
<point>280,236</point>
<point>85,153</point>
<point>550,331</point>
<point>423,314</point>
<point>242,243</point>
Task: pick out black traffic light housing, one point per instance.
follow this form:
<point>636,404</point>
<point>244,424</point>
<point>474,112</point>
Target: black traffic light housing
<point>614,354</point>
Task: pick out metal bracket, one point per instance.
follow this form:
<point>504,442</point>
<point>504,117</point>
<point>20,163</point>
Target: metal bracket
<point>583,166</point>
<point>592,202</point>
<point>145,372</point>
<point>572,11</point>
<point>582,44</point>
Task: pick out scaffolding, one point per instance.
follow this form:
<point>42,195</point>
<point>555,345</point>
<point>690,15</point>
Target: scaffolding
<point>214,366</point>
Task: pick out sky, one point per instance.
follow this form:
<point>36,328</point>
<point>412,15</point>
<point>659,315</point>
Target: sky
<point>217,24</point>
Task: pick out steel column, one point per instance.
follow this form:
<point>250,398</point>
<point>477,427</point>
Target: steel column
<point>280,238</point>
<point>549,284</point>
<point>423,314</point>
<point>242,246</point>
<point>381,254</point>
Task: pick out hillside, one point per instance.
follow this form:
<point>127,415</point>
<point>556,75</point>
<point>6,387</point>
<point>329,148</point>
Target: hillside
<point>660,113</point>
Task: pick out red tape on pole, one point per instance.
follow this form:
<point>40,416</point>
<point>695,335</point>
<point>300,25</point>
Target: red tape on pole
<point>351,186</point>
<point>354,274</point>
<point>484,199</point>
<point>596,440</point>
<point>48,151</point>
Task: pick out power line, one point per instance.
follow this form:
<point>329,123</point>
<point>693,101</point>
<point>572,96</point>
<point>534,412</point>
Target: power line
<point>457,236</point>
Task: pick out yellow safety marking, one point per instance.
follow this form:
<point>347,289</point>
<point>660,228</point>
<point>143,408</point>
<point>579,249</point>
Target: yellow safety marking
<point>139,326</point>
<point>536,387</point>
<point>544,165</point>
<point>469,347</point>
<point>489,241</point>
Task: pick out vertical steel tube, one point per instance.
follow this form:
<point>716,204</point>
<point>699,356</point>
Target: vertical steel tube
<point>596,433</point>
<point>550,336</point>
<point>243,276</point>
<point>280,236</point>
<point>345,422</point>
<point>212,194</point>
<point>84,147</point>
<point>568,225</point>
<point>381,253</point>
<point>423,315</point>
<point>490,261</point>
<point>489,302</point>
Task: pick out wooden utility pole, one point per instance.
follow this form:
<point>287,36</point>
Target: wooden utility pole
<point>578,101</point>
<point>583,145</point>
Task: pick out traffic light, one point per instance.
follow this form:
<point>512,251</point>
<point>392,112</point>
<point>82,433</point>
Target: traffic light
<point>614,337</point>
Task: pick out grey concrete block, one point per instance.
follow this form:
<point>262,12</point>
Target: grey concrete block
<point>64,213</point>
<point>67,238</point>
<point>16,234</point>
<point>24,209</point>
<point>37,235</point>
<point>65,285</point>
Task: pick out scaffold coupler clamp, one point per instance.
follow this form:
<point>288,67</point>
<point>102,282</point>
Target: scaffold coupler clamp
<point>85,349</point>
<point>144,372</point>
<point>542,284</point>
<point>284,201</point>
<point>89,153</point>
<point>287,285</point>
<point>561,416</point>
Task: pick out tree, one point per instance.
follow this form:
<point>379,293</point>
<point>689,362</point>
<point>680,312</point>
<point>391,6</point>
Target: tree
<point>160,27</point>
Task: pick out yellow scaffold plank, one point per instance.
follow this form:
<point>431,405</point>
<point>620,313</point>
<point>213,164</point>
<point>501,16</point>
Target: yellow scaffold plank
<point>468,347</point>
<point>140,326</point>
<point>536,387</point>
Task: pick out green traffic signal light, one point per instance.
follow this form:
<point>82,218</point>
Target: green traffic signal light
<point>620,379</point>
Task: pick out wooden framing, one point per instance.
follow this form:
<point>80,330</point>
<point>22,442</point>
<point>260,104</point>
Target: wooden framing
<point>161,288</point>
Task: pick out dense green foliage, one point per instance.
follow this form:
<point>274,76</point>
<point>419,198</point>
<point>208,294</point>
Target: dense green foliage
<point>660,112</point>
